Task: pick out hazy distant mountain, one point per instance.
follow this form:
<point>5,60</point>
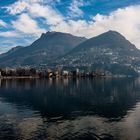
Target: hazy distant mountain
<point>109,51</point>
<point>48,47</point>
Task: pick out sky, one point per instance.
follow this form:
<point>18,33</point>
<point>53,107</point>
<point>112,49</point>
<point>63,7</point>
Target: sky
<point>23,21</point>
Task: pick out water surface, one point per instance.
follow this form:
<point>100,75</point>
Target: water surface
<point>70,109</point>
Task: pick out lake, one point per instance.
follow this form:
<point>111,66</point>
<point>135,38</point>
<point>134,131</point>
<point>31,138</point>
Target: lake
<point>70,109</point>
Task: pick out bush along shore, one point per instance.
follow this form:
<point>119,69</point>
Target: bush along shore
<point>48,73</point>
<point>55,73</point>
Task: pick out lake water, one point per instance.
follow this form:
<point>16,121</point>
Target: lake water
<point>70,109</point>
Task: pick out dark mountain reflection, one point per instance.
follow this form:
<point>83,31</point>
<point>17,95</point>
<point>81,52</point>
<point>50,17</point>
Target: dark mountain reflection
<point>105,97</point>
<point>42,104</point>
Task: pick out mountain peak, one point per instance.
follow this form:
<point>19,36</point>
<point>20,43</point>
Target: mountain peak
<point>59,34</point>
<point>113,34</point>
<point>47,34</point>
<point>111,37</point>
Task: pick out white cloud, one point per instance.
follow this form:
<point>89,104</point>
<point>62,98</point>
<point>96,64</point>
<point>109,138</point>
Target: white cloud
<point>50,15</point>
<point>75,7</point>
<point>24,5</point>
<point>17,7</point>
<point>26,24</point>
<point>125,20</point>
<point>8,34</point>
<point>36,8</point>
<point>2,23</point>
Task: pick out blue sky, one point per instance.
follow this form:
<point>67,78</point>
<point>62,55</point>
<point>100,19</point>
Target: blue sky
<point>23,21</point>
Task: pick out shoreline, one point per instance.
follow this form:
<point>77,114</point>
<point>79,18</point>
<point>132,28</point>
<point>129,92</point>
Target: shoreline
<point>18,77</point>
<point>62,77</point>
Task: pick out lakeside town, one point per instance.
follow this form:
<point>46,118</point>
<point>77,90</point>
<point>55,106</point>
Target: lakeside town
<point>48,73</point>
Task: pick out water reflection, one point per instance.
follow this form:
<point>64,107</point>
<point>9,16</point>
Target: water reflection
<point>69,109</point>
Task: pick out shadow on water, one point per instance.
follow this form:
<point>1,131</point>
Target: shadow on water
<point>67,103</point>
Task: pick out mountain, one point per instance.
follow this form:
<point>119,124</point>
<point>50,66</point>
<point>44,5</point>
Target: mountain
<point>109,51</point>
<point>48,47</point>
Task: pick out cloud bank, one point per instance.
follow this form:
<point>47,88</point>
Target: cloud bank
<point>126,21</point>
<point>29,12</point>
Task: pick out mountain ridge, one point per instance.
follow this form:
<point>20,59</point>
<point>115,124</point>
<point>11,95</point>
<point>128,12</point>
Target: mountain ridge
<point>106,51</point>
<point>109,51</point>
<point>108,36</point>
<point>49,46</point>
